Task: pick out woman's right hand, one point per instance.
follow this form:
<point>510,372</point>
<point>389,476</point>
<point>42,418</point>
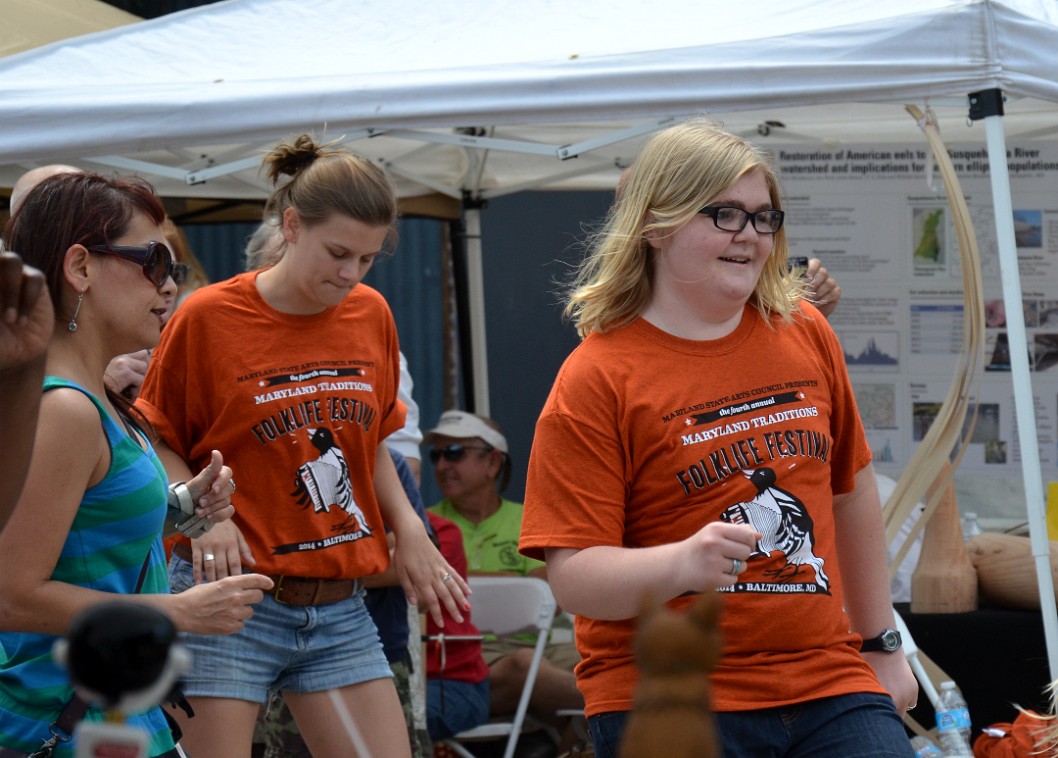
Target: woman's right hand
<point>220,607</point>
<point>711,552</point>
<point>220,552</point>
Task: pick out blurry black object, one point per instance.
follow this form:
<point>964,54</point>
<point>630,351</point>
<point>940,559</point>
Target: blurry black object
<point>121,656</point>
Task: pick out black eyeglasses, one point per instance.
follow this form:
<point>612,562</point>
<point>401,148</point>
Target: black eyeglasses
<point>453,453</point>
<point>730,219</point>
<point>154,257</point>
<point>181,272</point>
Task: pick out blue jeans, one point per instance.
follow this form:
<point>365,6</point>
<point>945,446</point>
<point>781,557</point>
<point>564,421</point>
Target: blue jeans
<point>863,725</point>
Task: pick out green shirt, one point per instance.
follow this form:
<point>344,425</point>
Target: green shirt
<point>492,545</point>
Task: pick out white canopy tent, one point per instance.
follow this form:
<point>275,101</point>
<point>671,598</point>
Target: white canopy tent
<point>192,93</point>
<point>478,101</point>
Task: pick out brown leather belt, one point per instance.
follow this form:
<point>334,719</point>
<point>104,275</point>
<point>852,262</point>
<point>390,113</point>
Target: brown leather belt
<point>297,590</point>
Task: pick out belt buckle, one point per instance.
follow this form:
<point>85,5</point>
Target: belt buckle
<point>277,589</point>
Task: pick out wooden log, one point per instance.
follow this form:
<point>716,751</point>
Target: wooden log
<point>945,580</point>
<point>1006,570</point>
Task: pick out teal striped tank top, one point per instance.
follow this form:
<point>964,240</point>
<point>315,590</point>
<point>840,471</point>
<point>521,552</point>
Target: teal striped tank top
<point>117,530</point>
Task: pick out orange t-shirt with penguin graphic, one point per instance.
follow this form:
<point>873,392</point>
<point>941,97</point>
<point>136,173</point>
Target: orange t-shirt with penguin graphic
<point>297,405</point>
<point>646,438</point>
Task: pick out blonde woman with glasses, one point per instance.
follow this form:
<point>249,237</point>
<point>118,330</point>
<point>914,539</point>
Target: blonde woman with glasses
<point>704,437</point>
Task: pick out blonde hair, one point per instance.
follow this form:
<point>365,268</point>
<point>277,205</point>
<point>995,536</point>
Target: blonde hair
<point>182,253</point>
<point>265,246</point>
<point>326,181</point>
<point>679,171</point>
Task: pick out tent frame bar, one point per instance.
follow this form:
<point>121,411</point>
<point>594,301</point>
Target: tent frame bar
<point>988,105</point>
<point>466,138</point>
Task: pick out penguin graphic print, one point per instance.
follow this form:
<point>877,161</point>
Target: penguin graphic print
<point>323,483</point>
<point>785,527</point>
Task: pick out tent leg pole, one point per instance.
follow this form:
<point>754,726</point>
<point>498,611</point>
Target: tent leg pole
<point>1024,403</point>
<point>476,302</point>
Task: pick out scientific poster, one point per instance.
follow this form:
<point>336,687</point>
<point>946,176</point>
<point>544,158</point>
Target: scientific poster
<point>878,217</point>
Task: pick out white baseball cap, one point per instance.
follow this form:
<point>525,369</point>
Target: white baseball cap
<point>462,425</point>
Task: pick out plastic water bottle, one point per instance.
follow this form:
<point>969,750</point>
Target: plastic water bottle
<point>953,722</point>
<point>970,526</point>
<point>924,747</point>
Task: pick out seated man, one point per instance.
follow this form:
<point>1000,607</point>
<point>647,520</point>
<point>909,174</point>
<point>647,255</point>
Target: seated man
<point>472,467</point>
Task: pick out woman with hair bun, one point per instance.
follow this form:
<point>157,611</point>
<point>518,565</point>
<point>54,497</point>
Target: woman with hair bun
<point>293,369</point>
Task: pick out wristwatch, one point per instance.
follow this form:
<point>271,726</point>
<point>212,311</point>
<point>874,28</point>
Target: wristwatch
<point>888,641</point>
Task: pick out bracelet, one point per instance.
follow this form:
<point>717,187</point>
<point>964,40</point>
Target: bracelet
<point>180,498</point>
<point>182,512</point>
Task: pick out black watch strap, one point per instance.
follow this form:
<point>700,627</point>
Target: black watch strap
<point>888,641</point>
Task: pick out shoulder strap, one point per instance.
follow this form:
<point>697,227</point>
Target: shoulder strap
<point>57,382</point>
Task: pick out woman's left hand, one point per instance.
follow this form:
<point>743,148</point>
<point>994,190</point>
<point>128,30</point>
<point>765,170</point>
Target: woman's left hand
<point>428,578</point>
<point>212,490</point>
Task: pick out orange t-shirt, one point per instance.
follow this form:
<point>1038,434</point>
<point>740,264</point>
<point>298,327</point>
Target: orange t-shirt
<point>646,437</point>
<point>297,405</point>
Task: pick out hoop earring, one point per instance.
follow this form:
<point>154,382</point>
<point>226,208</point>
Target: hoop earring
<point>72,326</point>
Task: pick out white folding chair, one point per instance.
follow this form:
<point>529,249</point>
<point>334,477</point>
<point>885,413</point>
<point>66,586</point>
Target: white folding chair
<point>509,605</point>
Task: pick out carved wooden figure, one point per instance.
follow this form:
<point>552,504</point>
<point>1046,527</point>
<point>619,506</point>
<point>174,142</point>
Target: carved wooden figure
<point>675,653</point>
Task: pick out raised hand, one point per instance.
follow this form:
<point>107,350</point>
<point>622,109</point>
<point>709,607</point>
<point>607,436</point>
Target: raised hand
<point>26,315</point>
<point>823,289</point>
<point>26,321</point>
<point>212,490</point>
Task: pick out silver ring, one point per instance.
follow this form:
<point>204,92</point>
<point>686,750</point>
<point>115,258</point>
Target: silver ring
<point>232,483</point>
<point>736,564</point>
<point>912,707</point>
<point>207,557</point>
<point>447,576</point>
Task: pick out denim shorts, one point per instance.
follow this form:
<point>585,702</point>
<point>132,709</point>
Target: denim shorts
<point>288,648</point>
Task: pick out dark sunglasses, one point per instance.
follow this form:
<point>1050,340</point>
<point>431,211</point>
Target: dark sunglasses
<point>181,272</point>
<point>154,257</point>
<point>730,219</point>
<point>453,453</point>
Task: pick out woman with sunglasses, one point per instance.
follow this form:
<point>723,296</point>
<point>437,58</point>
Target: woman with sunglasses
<point>89,523</point>
<point>125,373</point>
<point>293,371</point>
<point>704,436</point>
